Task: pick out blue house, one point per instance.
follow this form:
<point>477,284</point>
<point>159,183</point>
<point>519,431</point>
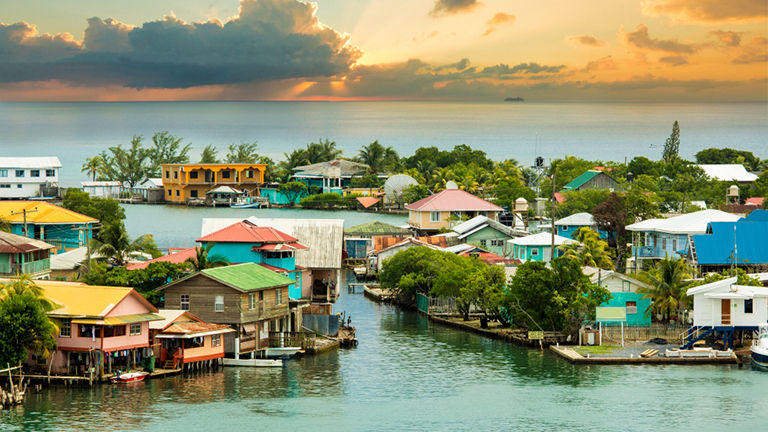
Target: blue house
<point>659,238</point>
<point>624,294</point>
<point>742,242</point>
<point>537,247</point>
<point>331,176</point>
<point>568,226</point>
<point>245,242</point>
<point>57,226</point>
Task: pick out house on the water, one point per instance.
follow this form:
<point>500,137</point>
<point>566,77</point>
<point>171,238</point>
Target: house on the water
<point>624,293</point>
<point>102,189</point>
<point>185,339</point>
<point>537,247</point>
<point>724,308</point>
<point>103,327</point>
<point>358,240</point>
<point>401,244</point>
<point>249,298</point>
<point>742,243</point>
<point>491,235</point>
<point>446,209</point>
<point>184,182</point>
<point>27,177</point>
<point>569,225</point>
<point>62,228</point>
<point>592,179</point>
<point>332,176</point>
<point>19,254</point>
<point>655,239</point>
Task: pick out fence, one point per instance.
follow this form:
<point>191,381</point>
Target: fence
<point>671,333</point>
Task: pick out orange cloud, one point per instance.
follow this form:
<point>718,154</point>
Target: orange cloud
<point>449,7</point>
<point>708,11</point>
<point>497,20</point>
<point>728,38</point>
<point>641,39</point>
<point>587,40</point>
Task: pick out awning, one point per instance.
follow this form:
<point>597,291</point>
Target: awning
<point>728,295</point>
<point>249,328</point>
<point>124,319</point>
<point>368,201</point>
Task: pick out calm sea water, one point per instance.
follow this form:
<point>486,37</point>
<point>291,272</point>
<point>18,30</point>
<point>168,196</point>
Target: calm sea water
<point>409,374</point>
<point>598,131</point>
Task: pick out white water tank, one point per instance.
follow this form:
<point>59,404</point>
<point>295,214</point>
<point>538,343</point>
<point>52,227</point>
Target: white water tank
<point>521,205</point>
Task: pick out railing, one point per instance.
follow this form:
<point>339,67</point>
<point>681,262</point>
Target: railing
<point>32,267</point>
<point>648,252</point>
<point>292,339</point>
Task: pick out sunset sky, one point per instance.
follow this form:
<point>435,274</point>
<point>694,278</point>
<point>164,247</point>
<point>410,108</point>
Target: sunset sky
<point>601,50</point>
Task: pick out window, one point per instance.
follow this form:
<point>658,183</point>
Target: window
<point>434,216</point>
<point>249,174</point>
<point>252,301</point>
<point>631,307</point>
<point>218,303</point>
<point>215,340</point>
<point>664,243</point>
<point>175,174</point>
<point>3,173</point>
<point>535,252</point>
<point>748,306</point>
<point>193,193</point>
<point>193,175</point>
<point>483,243</point>
<point>225,174</point>
<point>563,228</point>
<point>66,328</point>
<point>278,296</point>
<point>87,330</point>
<point>184,302</point>
<point>5,186</point>
<point>112,331</point>
<point>19,186</point>
<point>674,244</point>
<point>50,173</point>
<point>170,193</point>
<point>135,329</point>
<point>34,173</point>
<point>625,286</point>
<point>178,193</point>
<point>19,173</point>
<point>167,174</point>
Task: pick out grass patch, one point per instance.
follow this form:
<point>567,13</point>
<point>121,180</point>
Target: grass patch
<point>602,349</point>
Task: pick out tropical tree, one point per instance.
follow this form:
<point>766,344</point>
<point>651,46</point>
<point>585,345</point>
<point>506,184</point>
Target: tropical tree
<point>145,281</point>
<point>24,327</point>
<point>115,245</point>
<point>131,165</point>
<point>672,145</point>
<point>23,284</point>
<point>293,190</point>
<point>322,151</point>
<point>242,153</point>
<point>203,259</point>
<point>378,158</point>
<point>166,149</point>
<point>209,155</point>
<point>106,210</point>
<point>93,166</point>
<point>588,250</point>
<point>667,280</point>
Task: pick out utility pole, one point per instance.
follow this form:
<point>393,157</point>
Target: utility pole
<point>24,212</point>
<point>86,230</point>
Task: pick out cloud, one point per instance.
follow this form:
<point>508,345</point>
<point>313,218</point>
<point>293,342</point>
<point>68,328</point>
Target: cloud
<point>503,70</point>
<point>587,40</point>
<point>641,39</point>
<point>605,63</point>
<point>497,20</point>
<point>755,51</point>
<point>708,11</point>
<point>459,65</point>
<point>449,7</point>
<point>674,60</point>
<point>728,38</point>
<point>268,40</point>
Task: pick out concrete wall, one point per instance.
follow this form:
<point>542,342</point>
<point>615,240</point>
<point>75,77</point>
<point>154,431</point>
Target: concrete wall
<point>639,318</point>
<point>323,324</point>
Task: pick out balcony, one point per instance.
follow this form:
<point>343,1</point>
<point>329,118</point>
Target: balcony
<point>651,252</point>
<point>31,268</point>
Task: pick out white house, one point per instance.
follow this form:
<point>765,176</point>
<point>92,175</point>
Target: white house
<point>537,247</point>
<point>22,177</point>
<point>728,172</point>
<point>725,304</point>
<point>102,189</point>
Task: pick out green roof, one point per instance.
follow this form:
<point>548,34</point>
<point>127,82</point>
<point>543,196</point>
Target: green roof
<point>248,277</point>
<point>580,180</point>
<point>374,228</point>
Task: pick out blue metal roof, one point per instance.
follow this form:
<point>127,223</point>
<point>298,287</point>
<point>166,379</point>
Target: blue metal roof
<point>750,238</point>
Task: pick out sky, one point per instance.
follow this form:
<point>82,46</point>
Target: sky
<point>547,50</point>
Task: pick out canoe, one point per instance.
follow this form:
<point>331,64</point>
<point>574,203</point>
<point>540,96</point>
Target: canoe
<point>129,377</point>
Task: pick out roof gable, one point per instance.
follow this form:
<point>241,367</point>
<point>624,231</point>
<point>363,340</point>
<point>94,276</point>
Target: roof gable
<point>580,180</point>
<point>452,200</point>
<point>376,228</point>
<point>247,277</point>
<point>41,212</point>
<point>581,219</point>
<point>248,232</point>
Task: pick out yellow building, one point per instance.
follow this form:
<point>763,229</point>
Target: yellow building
<point>182,182</point>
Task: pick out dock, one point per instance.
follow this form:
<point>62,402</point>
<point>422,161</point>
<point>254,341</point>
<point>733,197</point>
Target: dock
<point>377,294</point>
<point>572,356</point>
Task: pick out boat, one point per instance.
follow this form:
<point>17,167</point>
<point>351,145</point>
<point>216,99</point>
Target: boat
<point>253,362</point>
<point>281,352</point>
<point>760,348</point>
<point>129,377</point>
<point>245,202</point>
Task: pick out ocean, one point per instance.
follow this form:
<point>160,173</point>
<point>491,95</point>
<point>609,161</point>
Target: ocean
<point>74,131</point>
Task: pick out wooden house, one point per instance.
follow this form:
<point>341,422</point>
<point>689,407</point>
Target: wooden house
<point>20,254</point>
<point>185,339</point>
<point>247,297</point>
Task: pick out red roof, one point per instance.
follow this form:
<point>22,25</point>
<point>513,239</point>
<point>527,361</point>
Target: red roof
<point>756,201</point>
<point>247,232</point>
<point>280,270</point>
<point>176,256</point>
<point>560,197</point>
<point>368,201</point>
<point>280,246</point>
<point>453,200</point>
<point>490,257</point>
<point>383,242</point>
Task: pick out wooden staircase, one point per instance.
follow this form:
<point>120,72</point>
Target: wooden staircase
<point>169,364</point>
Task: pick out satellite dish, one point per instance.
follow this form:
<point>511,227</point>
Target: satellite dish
<point>451,185</point>
<point>395,185</point>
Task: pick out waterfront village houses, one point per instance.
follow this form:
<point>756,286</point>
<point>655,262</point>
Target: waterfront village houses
<point>247,297</point>
<point>570,225</point>
<point>320,261</point>
<point>245,242</point>
<point>624,293</point>
<point>62,228</point>
<point>99,326</point>
<point>183,338</point>
<point>537,247</point>
<point>490,235</point>
<point>332,176</point>
<point>25,177</point>
<point>592,179</point>
<point>19,254</point>
<point>742,243</point>
<point>184,182</point>
<point>446,209</point>
<point>655,239</point>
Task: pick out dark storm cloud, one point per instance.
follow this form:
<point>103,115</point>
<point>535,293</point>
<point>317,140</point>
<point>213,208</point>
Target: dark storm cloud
<point>503,70</point>
<point>270,39</point>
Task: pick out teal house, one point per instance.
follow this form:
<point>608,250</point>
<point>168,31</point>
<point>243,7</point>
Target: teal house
<point>568,226</point>
<point>490,235</point>
<point>624,293</point>
<point>245,242</point>
<point>537,247</point>
<point>19,254</point>
<point>332,176</point>
<point>57,226</point>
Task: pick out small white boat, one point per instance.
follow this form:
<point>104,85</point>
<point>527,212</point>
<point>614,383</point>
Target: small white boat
<point>253,362</point>
<point>281,352</point>
<point>245,202</point>
<point>760,348</point>
<point>129,377</point>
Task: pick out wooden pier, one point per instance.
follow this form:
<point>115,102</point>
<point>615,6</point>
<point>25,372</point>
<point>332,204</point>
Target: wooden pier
<point>377,294</point>
<point>573,356</point>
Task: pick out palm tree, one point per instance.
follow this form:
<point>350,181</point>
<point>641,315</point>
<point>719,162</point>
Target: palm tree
<point>203,260</point>
<point>23,284</point>
<point>116,246</point>
<point>589,250</point>
<point>377,157</point>
<point>92,166</point>
<point>322,151</point>
<point>667,282</point>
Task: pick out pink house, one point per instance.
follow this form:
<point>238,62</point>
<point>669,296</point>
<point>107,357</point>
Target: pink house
<point>100,327</point>
<point>447,208</point>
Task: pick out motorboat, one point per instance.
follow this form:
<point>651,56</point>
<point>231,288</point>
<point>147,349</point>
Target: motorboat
<point>760,348</point>
<point>253,362</point>
<point>245,202</point>
<point>281,352</point>
<point>129,377</point>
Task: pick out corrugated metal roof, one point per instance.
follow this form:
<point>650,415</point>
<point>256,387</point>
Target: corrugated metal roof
<point>87,301</point>
<point>477,223</point>
<point>248,277</point>
<point>747,236</point>
<point>580,180</point>
<point>71,259</point>
<point>30,162</point>
<point>583,219</point>
<point>180,256</point>
<point>348,168</point>
<point>541,239</point>
<point>376,228</point>
<point>385,242</point>
<point>118,320</point>
<point>689,223</point>
<point>728,172</point>
<point>453,200</point>
<point>100,183</point>
<point>46,213</point>
<point>13,243</point>
<point>367,201</point>
<point>169,316</point>
<point>196,328</point>
<point>248,232</point>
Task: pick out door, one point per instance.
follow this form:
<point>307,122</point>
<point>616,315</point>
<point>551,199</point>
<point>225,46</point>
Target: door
<point>725,308</point>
